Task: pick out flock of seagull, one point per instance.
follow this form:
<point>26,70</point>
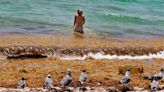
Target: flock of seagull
<point>49,83</point>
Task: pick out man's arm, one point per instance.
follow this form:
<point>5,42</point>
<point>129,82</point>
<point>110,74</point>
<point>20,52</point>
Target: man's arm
<point>74,21</point>
<point>83,20</point>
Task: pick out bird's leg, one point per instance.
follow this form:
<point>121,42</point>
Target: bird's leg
<point>82,85</point>
<point>83,89</point>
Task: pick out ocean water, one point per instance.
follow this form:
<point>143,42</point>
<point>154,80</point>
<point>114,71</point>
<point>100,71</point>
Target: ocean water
<point>113,18</point>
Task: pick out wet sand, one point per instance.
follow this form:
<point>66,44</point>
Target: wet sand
<point>101,72</point>
<point>73,41</point>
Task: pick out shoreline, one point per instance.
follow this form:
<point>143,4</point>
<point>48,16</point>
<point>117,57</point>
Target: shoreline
<point>71,40</point>
<point>61,46</point>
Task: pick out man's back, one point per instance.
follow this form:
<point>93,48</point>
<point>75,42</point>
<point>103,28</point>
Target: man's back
<point>79,20</point>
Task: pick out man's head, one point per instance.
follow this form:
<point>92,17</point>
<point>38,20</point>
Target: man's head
<point>80,12</point>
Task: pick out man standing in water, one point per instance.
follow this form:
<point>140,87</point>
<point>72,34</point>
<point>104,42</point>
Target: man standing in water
<point>79,21</point>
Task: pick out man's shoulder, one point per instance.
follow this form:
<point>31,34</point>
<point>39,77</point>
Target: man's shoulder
<point>79,16</point>
<point>83,16</point>
<point>76,15</point>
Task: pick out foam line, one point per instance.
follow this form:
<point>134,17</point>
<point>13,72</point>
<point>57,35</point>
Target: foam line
<point>159,55</point>
<point>73,58</point>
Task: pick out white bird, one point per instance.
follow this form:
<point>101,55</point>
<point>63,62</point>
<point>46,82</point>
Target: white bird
<point>67,79</point>
<point>83,77</point>
<point>49,81</point>
<point>21,83</point>
<point>158,76</point>
<point>154,85</point>
<point>126,78</point>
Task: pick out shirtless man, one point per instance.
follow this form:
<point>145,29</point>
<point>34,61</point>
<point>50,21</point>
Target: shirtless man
<point>79,21</point>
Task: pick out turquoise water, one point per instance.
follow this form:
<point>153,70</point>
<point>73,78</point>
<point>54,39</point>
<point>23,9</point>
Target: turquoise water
<point>116,18</point>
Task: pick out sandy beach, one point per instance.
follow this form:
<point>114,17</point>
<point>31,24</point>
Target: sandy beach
<point>102,73</point>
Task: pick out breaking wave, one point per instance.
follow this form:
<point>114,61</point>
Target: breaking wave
<point>159,55</point>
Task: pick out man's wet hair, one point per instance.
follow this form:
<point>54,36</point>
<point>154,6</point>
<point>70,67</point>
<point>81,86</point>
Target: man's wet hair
<point>80,11</point>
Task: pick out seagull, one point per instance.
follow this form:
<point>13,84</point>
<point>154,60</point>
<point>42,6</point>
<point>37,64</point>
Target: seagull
<point>154,85</point>
<point>126,78</point>
<point>21,83</point>
<point>83,77</point>
<point>67,79</point>
<point>49,81</point>
<point>158,76</point>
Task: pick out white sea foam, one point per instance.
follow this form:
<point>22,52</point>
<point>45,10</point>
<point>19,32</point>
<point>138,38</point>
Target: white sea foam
<point>114,14</point>
<point>73,58</point>
<point>100,55</point>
